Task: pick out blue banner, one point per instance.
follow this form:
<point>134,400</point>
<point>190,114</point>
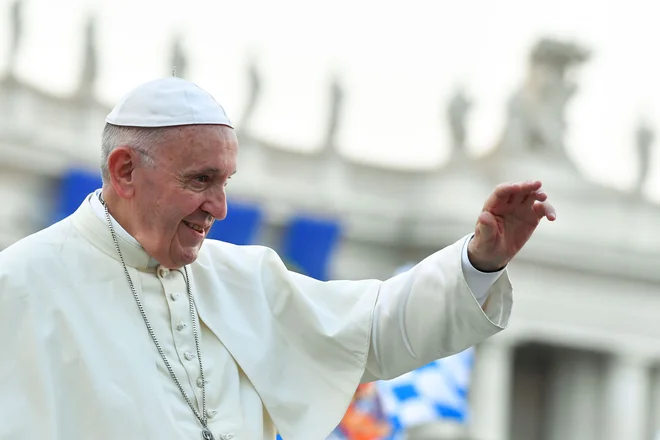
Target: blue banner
<point>75,185</point>
<point>308,244</point>
<point>241,226</point>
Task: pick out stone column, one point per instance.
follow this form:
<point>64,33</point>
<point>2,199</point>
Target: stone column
<point>655,404</point>
<point>627,383</point>
<point>490,394</point>
<point>575,390</point>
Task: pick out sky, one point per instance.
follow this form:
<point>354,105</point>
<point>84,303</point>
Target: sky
<point>398,61</point>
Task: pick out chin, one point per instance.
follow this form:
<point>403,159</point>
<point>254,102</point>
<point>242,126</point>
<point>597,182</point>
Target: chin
<point>188,256</point>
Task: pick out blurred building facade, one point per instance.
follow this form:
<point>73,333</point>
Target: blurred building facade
<point>580,359</point>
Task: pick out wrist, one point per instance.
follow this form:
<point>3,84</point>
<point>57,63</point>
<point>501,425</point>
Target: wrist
<point>482,262</point>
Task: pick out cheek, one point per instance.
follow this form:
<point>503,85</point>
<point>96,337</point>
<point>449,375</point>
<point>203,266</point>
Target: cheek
<point>183,206</point>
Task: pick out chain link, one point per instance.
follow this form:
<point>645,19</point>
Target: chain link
<point>203,418</point>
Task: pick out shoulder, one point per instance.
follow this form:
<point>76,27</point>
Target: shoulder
<point>50,239</point>
<point>250,268</point>
<point>238,257</point>
<point>40,250</point>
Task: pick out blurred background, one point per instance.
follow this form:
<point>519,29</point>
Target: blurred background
<point>371,133</point>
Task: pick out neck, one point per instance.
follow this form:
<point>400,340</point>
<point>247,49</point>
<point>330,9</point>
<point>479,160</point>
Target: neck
<point>116,207</point>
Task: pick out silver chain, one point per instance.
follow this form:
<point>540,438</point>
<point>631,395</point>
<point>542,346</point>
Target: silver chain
<point>203,418</point>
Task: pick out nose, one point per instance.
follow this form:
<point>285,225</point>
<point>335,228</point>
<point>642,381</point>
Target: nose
<point>216,204</point>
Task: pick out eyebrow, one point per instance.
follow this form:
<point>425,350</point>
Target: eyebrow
<point>214,171</point>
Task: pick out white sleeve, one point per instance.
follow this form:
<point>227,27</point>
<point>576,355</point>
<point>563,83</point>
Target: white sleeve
<point>478,282</point>
<point>430,312</point>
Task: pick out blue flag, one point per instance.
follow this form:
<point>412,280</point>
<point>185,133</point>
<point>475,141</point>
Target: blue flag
<point>241,226</point>
<point>75,185</point>
<point>308,245</point>
<point>435,392</point>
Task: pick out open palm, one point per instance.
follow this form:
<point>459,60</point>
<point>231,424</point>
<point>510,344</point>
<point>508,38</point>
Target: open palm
<point>508,219</point>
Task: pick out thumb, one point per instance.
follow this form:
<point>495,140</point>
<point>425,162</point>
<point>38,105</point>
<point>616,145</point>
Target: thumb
<point>486,227</point>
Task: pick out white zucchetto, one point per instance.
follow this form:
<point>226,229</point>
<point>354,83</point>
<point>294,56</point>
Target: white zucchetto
<point>167,102</point>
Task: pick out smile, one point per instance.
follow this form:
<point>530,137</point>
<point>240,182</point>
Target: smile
<point>194,227</point>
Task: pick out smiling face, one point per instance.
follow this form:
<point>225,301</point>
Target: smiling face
<point>171,204</point>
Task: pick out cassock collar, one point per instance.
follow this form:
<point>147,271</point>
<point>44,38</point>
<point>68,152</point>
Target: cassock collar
<point>91,223</point>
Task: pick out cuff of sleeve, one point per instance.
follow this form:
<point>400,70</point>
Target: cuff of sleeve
<point>478,282</point>
<point>500,302</point>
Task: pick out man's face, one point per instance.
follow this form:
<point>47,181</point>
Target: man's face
<point>177,200</point>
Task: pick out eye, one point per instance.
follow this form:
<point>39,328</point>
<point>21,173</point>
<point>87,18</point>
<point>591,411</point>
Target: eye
<point>199,182</point>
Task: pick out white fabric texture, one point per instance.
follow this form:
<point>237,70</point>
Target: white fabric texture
<point>281,351</point>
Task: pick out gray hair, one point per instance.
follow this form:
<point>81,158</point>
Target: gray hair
<point>142,139</point>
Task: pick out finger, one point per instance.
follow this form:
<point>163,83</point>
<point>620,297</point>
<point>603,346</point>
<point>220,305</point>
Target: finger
<point>540,196</point>
<point>512,193</point>
<point>530,186</point>
<point>520,197</point>
<point>545,209</point>
<point>504,193</point>
<point>506,190</point>
<point>534,196</point>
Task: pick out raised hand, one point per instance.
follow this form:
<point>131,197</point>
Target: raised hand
<point>508,219</point>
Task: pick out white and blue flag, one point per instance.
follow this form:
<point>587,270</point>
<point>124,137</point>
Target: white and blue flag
<point>437,391</point>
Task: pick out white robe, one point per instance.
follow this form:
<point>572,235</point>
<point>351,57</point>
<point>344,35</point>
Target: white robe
<point>281,351</point>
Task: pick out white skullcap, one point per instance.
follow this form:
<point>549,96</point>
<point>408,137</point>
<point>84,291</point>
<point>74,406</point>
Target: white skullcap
<point>167,102</point>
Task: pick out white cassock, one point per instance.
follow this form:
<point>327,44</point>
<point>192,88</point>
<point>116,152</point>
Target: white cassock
<point>281,351</point>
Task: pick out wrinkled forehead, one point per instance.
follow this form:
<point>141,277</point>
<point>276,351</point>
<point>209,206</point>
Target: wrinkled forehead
<point>213,145</point>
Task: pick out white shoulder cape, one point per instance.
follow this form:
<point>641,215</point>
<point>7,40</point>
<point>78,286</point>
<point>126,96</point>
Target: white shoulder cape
<point>77,362</point>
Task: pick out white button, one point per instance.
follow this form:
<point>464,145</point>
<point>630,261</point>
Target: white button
<point>174,296</point>
<point>163,272</point>
<point>212,413</point>
<point>189,356</point>
<point>180,326</point>
<point>199,382</point>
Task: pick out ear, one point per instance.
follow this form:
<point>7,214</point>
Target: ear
<point>122,163</point>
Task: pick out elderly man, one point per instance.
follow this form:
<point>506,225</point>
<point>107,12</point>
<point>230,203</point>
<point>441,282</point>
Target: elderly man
<point>123,322</point>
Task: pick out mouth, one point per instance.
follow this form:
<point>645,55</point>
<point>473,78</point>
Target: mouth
<point>197,228</point>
